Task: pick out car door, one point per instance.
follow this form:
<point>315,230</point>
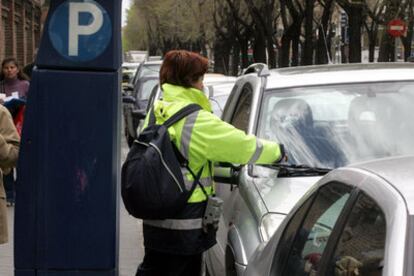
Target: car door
<point>229,193</point>
<point>240,120</point>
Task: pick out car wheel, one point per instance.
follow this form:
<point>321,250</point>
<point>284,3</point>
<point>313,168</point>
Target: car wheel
<point>230,264</point>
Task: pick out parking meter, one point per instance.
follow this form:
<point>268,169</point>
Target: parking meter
<point>66,216</point>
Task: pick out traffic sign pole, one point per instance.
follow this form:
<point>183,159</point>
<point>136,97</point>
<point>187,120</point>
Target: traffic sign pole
<point>66,216</point>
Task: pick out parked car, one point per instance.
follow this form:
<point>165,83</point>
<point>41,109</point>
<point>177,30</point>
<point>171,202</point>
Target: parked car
<point>135,56</point>
<point>134,105</point>
<point>357,220</point>
<point>128,71</point>
<point>327,117</point>
<point>146,68</point>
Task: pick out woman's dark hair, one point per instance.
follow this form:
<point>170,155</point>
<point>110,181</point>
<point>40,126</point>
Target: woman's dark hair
<point>182,68</point>
<point>20,74</point>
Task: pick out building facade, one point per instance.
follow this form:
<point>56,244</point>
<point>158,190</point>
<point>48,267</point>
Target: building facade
<point>20,29</point>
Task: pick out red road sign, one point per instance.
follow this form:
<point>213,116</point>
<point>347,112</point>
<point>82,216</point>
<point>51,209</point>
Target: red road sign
<point>396,27</point>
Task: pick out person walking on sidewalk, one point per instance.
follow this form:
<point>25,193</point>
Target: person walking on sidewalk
<point>9,150</point>
<point>13,82</point>
<point>174,246</point>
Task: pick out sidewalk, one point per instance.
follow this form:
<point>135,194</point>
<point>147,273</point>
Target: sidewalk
<point>131,249</point>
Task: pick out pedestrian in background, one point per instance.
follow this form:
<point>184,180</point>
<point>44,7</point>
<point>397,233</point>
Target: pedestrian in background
<point>9,150</point>
<point>174,246</point>
<point>13,82</point>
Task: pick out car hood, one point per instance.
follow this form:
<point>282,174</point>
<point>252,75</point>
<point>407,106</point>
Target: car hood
<point>280,194</point>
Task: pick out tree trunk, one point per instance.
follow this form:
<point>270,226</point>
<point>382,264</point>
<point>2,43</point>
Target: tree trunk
<point>355,23</point>
<point>271,53</point>
<point>406,41</point>
<point>296,31</point>
<point>244,48</point>
<point>385,48</point>
<point>235,59</point>
<point>221,57</point>
<point>259,48</point>
<point>284,51</point>
<point>324,40</point>
<point>308,45</point>
<point>371,49</point>
<point>344,53</point>
<point>322,51</point>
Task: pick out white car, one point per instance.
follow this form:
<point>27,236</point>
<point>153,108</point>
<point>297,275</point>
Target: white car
<point>357,220</point>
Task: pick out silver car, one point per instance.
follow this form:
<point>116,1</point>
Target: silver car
<point>327,117</point>
<point>357,220</point>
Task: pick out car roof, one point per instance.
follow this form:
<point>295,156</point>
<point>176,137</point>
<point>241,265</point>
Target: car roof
<point>339,74</point>
<point>398,171</point>
<point>130,64</point>
<point>213,78</point>
<point>152,62</point>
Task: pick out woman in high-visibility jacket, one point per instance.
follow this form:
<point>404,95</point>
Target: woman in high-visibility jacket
<point>174,246</point>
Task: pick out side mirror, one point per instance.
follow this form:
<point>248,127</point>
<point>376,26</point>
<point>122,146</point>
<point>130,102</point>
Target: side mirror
<point>128,99</point>
<point>139,114</point>
<point>226,173</point>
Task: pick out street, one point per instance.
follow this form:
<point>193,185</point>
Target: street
<point>131,249</point>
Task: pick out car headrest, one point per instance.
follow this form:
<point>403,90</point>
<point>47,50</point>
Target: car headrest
<point>292,113</point>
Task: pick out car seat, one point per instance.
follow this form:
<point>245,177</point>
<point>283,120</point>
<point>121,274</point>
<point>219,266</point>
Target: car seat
<point>368,122</point>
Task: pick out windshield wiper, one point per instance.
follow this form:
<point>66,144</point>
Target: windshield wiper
<point>292,170</point>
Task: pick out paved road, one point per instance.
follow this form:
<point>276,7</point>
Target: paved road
<point>131,249</point>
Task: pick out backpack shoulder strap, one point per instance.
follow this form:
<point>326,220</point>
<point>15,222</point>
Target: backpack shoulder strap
<point>151,120</point>
<point>185,111</point>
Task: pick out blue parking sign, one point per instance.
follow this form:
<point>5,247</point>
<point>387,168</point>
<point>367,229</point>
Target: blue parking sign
<point>80,30</point>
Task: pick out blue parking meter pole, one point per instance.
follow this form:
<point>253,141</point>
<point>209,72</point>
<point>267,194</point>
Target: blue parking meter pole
<point>66,220</point>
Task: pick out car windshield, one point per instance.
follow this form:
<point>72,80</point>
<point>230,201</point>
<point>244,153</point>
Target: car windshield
<point>146,88</point>
<point>332,126</point>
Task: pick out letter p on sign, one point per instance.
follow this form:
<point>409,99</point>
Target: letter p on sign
<point>75,30</point>
<point>80,30</point>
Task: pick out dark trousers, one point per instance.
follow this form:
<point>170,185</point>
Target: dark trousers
<point>161,264</point>
<point>8,182</point>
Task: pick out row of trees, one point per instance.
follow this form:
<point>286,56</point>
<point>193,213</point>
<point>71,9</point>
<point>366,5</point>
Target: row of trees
<point>279,32</point>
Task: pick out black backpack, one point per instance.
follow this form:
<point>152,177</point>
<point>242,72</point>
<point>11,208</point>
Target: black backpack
<point>152,185</point>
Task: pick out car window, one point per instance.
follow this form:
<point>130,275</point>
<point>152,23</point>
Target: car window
<point>335,125</point>
<point>149,70</point>
<point>241,114</point>
<point>146,88</point>
<point>312,236</point>
<point>152,98</point>
<point>288,237</point>
<point>360,250</point>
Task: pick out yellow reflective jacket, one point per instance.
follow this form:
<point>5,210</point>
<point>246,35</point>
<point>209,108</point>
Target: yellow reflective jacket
<point>203,137</point>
